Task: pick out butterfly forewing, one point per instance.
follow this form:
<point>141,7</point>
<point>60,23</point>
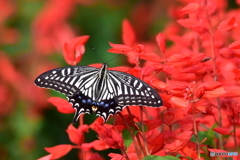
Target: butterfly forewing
<point>133,91</point>
<point>101,91</point>
<point>66,80</point>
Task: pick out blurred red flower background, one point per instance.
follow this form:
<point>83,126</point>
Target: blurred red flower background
<point>189,51</point>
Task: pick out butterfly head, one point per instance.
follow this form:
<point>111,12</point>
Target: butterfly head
<point>104,65</point>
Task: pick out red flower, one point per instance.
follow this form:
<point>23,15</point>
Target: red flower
<point>130,47</point>
<point>193,25</point>
<point>168,117</point>
<point>119,48</point>
<point>98,145</point>
<point>161,40</point>
<point>62,105</point>
<point>77,135</point>
<point>190,8</point>
<point>93,156</point>
<point>58,151</point>
<point>223,131</point>
<point>111,137</point>
<point>74,50</point>
<point>228,24</point>
<point>128,35</point>
<point>179,143</point>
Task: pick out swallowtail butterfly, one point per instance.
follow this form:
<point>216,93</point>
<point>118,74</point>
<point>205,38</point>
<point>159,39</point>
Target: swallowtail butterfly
<point>102,91</point>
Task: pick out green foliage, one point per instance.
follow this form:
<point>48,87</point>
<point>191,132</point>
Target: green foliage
<point>153,157</point>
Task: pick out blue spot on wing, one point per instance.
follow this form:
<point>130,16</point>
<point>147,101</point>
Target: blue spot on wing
<point>84,104</point>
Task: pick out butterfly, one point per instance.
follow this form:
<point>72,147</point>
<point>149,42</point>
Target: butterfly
<point>102,91</point>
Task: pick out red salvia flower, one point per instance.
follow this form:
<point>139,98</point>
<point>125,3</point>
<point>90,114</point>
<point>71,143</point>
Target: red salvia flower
<point>161,40</point>
<point>74,50</point>
<point>179,143</point>
<point>77,135</point>
<point>228,24</point>
<point>111,137</point>
<point>62,105</point>
<point>58,151</point>
<point>190,8</point>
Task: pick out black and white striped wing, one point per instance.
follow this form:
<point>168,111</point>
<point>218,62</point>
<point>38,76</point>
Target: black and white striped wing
<point>77,83</point>
<point>99,90</point>
<point>130,91</point>
<point>68,80</point>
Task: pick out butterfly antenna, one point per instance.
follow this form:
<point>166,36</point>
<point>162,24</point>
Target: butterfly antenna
<point>114,58</point>
<point>97,53</point>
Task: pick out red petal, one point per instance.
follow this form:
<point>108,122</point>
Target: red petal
<point>216,150</point>
<point>74,50</point>
<point>228,24</point>
<point>59,150</point>
<point>223,131</point>
<point>184,76</point>
<point>75,135</point>
<point>193,25</point>
<point>62,105</point>
<point>139,49</point>
<point>122,69</point>
<point>47,157</point>
<point>146,71</point>
<point>152,57</point>
<point>178,102</point>
<point>99,145</point>
<point>128,35</point>
<point>92,156</point>
<point>96,65</point>
<point>179,143</point>
<point>168,117</point>
<point>119,48</point>
<point>168,69</point>
<point>178,60</point>
<point>208,86</point>
<point>117,138</point>
<point>185,135</point>
<point>158,84</point>
<point>232,91</point>
<point>235,45</point>
<point>161,40</point>
<point>186,124</point>
<point>190,152</point>
<point>215,93</point>
<point>190,8</point>
<point>237,74</point>
<point>153,123</point>
<point>156,143</point>
<point>199,92</point>
<point>116,156</point>
<point>226,52</point>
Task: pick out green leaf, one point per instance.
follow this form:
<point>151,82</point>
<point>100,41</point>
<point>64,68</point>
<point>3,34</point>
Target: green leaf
<point>153,157</point>
<point>145,128</point>
<point>127,137</point>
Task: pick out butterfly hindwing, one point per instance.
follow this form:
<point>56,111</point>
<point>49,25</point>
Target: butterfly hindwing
<point>84,104</point>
